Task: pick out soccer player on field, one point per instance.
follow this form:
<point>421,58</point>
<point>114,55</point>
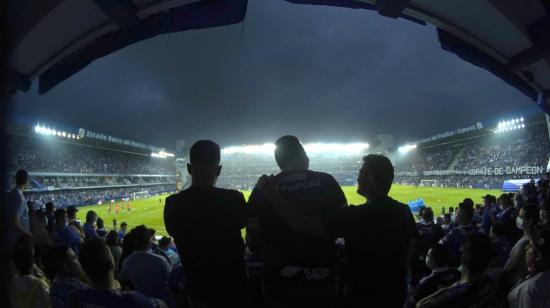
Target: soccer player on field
<point>117,208</point>
<point>128,207</point>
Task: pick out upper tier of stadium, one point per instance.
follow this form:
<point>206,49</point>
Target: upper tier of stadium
<point>86,166</point>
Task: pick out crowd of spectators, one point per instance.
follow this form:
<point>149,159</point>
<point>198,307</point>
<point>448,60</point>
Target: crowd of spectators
<point>491,255</point>
<point>40,155</point>
<point>529,147</point>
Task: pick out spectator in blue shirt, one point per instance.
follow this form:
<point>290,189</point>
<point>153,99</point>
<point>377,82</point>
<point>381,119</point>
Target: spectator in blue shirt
<point>441,275</point>
<point>63,234</point>
<point>90,225</point>
<point>122,231</point>
<point>474,287</point>
<point>455,239</point>
<point>490,212</point>
<point>501,245</point>
<point>99,265</point>
<point>64,270</point>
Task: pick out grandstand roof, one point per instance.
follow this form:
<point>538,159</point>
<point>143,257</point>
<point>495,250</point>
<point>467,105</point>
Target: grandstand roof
<point>53,39</point>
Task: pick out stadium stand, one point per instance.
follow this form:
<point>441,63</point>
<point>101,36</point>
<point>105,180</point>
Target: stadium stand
<point>83,170</point>
<point>481,159</point>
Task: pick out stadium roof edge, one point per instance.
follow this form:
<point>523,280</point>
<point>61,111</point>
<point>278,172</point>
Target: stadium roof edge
<point>512,40</point>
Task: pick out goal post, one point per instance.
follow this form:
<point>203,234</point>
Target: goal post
<point>428,183</point>
<point>140,194</point>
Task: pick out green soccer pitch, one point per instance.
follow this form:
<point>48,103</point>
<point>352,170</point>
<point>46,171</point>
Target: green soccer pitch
<point>149,211</point>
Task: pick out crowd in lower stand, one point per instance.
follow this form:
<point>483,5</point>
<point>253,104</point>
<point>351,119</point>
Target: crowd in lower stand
<point>304,246</point>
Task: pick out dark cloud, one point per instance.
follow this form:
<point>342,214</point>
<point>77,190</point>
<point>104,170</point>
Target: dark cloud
<point>322,73</point>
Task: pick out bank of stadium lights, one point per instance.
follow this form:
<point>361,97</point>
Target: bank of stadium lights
<point>161,154</point>
<point>318,147</point>
<point>406,148</point>
<point>509,125</point>
<point>46,131</point>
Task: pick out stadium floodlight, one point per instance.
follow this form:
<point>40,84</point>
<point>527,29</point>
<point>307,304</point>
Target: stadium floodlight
<point>509,125</point>
<point>266,148</point>
<point>313,148</point>
<point>160,154</point>
<point>406,148</point>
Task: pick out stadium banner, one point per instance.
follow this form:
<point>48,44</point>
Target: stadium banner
<point>455,132</point>
<point>103,137</point>
<point>514,185</point>
<point>508,170</point>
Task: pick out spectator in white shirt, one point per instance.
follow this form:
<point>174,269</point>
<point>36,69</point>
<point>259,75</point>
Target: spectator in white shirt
<point>18,213</point>
<point>532,292</point>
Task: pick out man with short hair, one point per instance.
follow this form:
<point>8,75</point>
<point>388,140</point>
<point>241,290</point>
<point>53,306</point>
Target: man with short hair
<point>290,259</point>
<point>63,234</point>
<point>429,234</point>
<point>62,265</point>
<point>532,291</point>
<point>455,239</point>
<point>122,231</point>
<point>437,260</point>
<point>147,272</point>
<point>206,222</point>
<point>490,212</point>
<point>379,235</point>
<point>98,263</point>
<point>50,209</point>
<point>17,211</point>
<point>166,245</point>
<point>90,225</point>
<point>474,287</point>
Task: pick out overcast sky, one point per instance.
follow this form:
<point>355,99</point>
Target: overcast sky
<point>321,73</point>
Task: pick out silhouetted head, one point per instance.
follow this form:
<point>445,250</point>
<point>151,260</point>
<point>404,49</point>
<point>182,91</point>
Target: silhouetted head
<point>61,218</point>
<point>62,261</point>
<point>477,253</point>
<point>375,177</point>
<point>464,214</point>
<point>96,260</point>
<point>290,154</point>
<point>21,178</point>
<point>437,256</point>
<point>428,214</point>
<point>528,218</point>
<point>91,217</point>
<point>49,207</point>
<point>204,166</point>
<point>165,242</point>
<point>142,238</point>
<point>23,258</point>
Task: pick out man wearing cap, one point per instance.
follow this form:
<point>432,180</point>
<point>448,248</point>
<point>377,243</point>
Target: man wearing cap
<point>533,291</point>
<point>17,211</point>
<point>298,268</point>
<point>490,212</point>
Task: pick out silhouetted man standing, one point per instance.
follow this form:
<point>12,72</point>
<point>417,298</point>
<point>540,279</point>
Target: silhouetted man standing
<point>298,268</point>
<point>206,222</point>
<point>379,235</point>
